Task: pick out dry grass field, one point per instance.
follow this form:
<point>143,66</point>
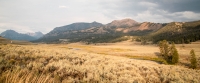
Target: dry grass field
<point>100,63</point>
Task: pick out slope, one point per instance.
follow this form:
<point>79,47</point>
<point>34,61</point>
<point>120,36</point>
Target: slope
<point>67,31</point>
<point>178,32</point>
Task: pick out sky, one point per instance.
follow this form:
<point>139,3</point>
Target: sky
<point>44,15</point>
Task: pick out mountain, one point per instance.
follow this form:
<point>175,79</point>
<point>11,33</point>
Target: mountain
<point>135,26</point>
<point>96,32</point>
<point>115,31</point>
<point>36,35</point>
<point>68,31</point>
<point>123,23</point>
<point>76,26</point>
<point>13,35</point>
<point>178,32</point>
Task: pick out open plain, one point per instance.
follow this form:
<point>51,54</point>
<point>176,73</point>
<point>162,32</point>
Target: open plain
<point>124,62</point>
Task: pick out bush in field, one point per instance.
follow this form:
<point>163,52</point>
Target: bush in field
<point>174,53</point>
<point>164,48</point>
<point>193,59</point>
<point>169,53</point>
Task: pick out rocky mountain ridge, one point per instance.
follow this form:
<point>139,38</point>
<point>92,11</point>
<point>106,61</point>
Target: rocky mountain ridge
<point>115,31</point>
<point>96,31</point>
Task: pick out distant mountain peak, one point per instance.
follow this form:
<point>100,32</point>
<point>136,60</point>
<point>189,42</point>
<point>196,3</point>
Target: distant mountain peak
<point>123,23</point>
<point>10,31</point>
<point>125,20</point>
<point>94,22</point>
<point>11,34</point>
<point>36,34</point>
<point>77,26</point>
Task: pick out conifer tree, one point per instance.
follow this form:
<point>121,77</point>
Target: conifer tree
<point>170,54</point>
<point>174,54</point>
<point>193,59</point>
<point>164,48</point>
<point>161,48</point>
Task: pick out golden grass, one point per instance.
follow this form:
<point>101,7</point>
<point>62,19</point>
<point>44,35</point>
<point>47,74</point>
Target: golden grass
<point>156,59</point>
<point>25,76</point>
<point>57,64</point>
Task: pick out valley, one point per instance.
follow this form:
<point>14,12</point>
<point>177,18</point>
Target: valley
<point>99,41</point>
<point>123,51</point>
<point>121,62</point>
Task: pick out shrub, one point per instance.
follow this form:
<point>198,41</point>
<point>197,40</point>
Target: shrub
<point>164,49</point>
<point>193,59</point>
<point>170,54</point>
<point>174,53</point>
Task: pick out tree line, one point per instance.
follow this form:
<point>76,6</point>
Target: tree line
<point>171,55</point>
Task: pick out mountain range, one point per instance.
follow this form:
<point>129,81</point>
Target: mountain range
<point>115,31</point>
<point>96,32</point>
<point>13,35</point>
<point>178,32</point>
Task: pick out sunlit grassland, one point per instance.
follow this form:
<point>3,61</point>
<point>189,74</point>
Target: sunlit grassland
<point>62,63</point>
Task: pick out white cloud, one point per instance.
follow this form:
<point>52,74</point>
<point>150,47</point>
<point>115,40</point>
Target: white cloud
<point>148,4</point>
<point>151,17</point>
<point>186,15</point>
<point>62,6</point>
<point>45,15</point>
<point>16,27</point>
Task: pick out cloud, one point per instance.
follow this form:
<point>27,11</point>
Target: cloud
<point>62,6</point>
<point>179,5</point>
<point>44,15</point>
<point>183,16</point>
<point>16,27</point>
<point>148,4</point>
<point>187,14</point>
<point>151,17</point>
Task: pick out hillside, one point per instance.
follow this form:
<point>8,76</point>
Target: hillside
<point>4,40</point>
<point>68,31</point>
<point>178,32</point>
<point>13,35</point>
<point>123,23</point>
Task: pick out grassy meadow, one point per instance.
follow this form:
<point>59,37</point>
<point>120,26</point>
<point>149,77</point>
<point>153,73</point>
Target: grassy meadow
<point>124,62</point>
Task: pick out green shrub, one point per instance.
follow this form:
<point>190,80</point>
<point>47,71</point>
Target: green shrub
<point>193,59</point>
<point>164,49</point>
<point>169,53</point>
<point>175,55</point>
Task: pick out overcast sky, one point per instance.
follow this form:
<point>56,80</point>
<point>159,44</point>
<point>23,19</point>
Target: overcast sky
<point>44,15</point>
